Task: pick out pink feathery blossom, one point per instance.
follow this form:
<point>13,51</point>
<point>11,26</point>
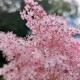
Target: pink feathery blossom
<point>50,53</point>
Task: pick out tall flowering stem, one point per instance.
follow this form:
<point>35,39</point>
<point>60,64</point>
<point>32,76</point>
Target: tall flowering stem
<point>49,53</point>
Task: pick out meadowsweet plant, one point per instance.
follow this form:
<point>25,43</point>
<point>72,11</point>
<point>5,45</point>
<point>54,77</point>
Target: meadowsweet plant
<point>49,53</point>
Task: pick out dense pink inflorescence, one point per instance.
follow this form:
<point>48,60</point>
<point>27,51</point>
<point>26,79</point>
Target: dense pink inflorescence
<point>50,53</point>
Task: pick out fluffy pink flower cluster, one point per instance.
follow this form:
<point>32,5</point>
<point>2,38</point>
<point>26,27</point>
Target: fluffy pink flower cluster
<point>50,53</point>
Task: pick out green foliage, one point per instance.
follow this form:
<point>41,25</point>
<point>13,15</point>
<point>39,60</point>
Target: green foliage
<point>13,22</point>
<point>1,78</point>
<point>59,6</point>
